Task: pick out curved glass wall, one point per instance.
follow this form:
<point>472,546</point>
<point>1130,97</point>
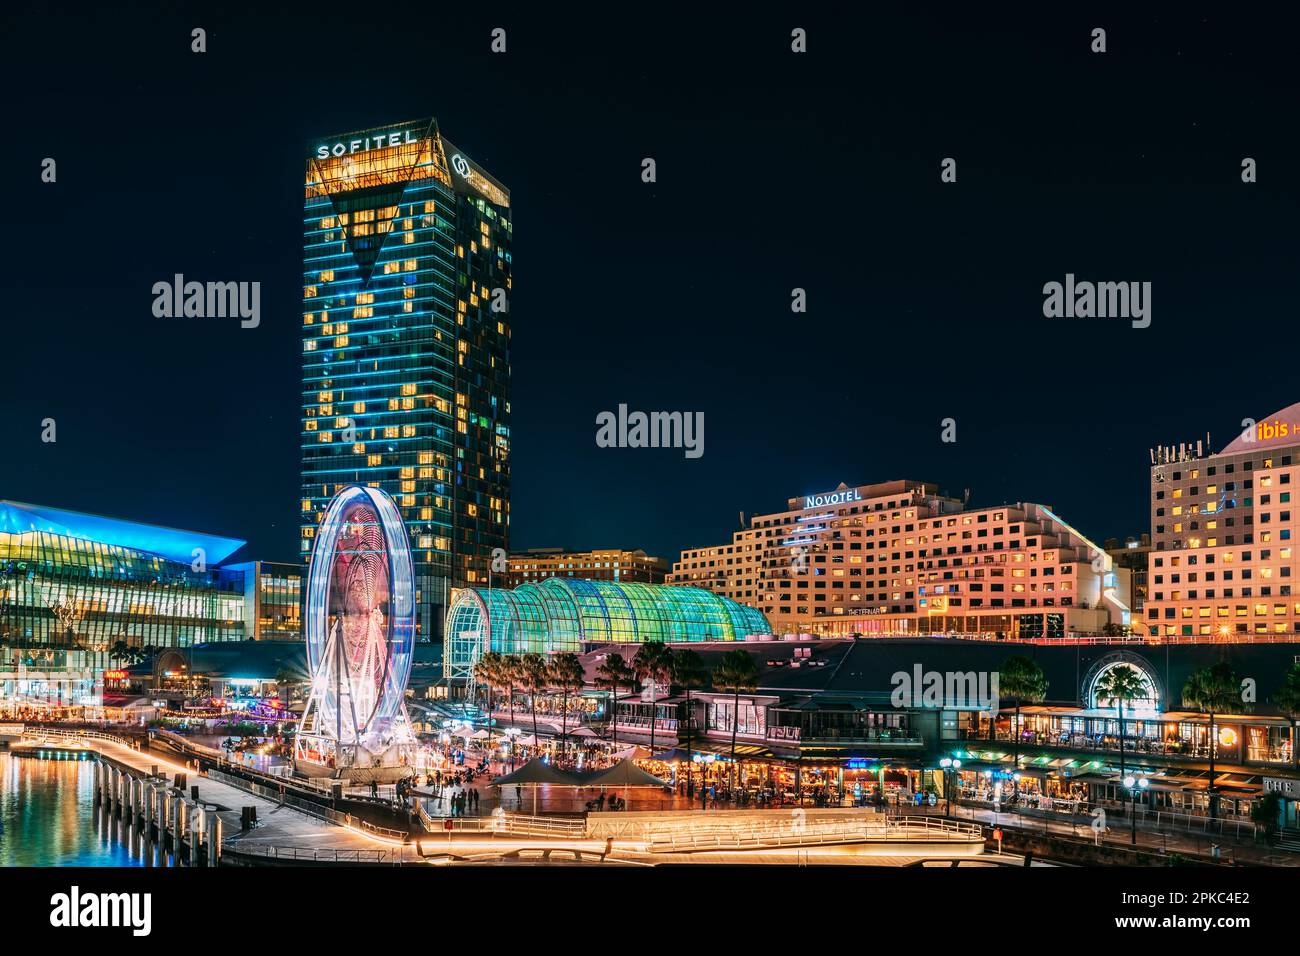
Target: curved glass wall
<point>561,614</point>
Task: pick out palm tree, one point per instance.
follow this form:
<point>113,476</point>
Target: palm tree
<point>1022,681</point>
<point>736,672</point>
<point>567,674</point>
<point>1287,700</point>
<point>689,673</point>
<point>612,675</point>
<point>653,663</point>
<point>120,651</point>
<point>510,677</point>
<point>1211,690</point>
<point>487,671</point>
<point>535,677</point>
<point>1119,684</point>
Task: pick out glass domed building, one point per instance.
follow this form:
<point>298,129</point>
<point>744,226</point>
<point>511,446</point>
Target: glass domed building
<point>562,614</point>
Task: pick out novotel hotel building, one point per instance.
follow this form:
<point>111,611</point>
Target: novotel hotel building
<point>406,346</point>
<point>898,558</point>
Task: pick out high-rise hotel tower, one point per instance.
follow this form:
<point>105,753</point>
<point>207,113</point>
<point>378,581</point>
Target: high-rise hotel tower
<point>406,346</point>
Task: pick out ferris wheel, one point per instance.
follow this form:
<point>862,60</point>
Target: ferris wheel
<point>360,626</point>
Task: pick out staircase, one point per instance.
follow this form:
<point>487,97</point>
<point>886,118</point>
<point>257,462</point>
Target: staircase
<point>1289,839</point>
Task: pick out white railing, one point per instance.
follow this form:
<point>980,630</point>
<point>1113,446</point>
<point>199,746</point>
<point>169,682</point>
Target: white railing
<point>798,833</point>
<point>50,733</point>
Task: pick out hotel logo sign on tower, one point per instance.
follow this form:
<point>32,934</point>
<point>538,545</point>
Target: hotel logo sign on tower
<point>832,498</point>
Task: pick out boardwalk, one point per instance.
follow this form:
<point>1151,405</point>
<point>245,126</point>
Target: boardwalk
<point>281,831</point>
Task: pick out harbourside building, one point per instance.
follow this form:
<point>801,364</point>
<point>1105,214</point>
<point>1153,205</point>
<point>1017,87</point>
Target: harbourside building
<point>1224,526</point>
<point>845,719</point>
<point>406,347</point>
<point>609,564</point>
<point>898,558</point>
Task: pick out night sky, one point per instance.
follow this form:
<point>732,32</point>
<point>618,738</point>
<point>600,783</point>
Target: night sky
<point>775,171</point>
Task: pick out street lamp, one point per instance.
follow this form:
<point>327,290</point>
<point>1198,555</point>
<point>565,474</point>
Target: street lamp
<point>949,765</point>
<point>1135,788</point>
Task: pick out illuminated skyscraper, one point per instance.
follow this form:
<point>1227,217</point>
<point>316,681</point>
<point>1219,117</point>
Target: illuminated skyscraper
<point>406,346</point>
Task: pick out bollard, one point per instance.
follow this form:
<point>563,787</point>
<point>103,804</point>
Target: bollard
<point>214,840</point>
<point>198,833</point>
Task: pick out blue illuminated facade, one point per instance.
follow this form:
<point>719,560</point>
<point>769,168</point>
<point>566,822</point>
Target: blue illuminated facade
<point>406,337</point>
<point>83,593</point>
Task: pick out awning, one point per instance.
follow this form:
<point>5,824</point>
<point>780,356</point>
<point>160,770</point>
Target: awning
<point>537,771</point>
<point>1091,778</point>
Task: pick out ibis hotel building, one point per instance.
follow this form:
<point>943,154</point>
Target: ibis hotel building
<point>406,346</point>
<point>1224,530</point>
<point>898,558</point>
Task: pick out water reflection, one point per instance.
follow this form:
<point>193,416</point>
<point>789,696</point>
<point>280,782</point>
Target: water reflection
<point>48,818</point>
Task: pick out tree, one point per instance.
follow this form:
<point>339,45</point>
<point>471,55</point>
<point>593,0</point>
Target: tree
<point>535,677</point>
<point>612,675</point>
<point>689,673</point>
<point>510,675</point>
<point>653,663</point>
<point>1021,681</point>
<point>1122,683</point>
<point>120,651</point>
<point>736,672</point>
<point>1213,690</point>
<point>489,671</point>
<point>566,674</point>
<point>1287,701</point>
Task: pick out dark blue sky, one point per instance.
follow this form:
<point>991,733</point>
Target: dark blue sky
<point>775,171</point>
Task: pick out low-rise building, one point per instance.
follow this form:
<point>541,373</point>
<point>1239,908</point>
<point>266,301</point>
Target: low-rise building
<point>610,564</point>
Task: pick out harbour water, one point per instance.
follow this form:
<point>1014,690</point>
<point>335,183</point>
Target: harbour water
<point>48,818</point>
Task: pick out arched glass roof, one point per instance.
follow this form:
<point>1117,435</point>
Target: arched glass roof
<point>560,614</point>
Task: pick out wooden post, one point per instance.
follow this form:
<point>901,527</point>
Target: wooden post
<point>214,840</point>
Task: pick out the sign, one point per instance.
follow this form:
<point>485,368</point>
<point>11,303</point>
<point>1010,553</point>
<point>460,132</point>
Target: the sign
<point>831,498</point>
<point>382,141</point>
<point>114,675</point>
<point>461,165</point>
<point>1283,787</point>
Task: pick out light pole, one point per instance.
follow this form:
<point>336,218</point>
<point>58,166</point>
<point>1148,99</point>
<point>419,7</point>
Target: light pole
<point>949,766</point>
<point>1135,788</point>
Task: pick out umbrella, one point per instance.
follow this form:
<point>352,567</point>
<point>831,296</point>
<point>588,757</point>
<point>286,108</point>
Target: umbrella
<point>535,773</point>
<point>528,740</point>
<point>623,774</point>
<point>583,732</point>
<point>632,753</point>
<point>480,734</point>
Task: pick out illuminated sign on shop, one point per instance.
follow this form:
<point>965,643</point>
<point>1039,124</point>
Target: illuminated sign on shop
<point>833,498</point>
<point>382,141</point>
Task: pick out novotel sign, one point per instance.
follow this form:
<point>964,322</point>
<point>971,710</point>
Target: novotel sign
<point>833,498</point>
<point>382,141</point>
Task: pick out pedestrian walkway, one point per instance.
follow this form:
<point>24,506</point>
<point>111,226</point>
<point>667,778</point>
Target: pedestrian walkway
<point>1166,840</point>
<point>278,825</point>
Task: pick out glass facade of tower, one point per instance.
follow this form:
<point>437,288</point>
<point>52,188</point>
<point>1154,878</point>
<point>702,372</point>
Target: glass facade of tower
<point>406,345</point>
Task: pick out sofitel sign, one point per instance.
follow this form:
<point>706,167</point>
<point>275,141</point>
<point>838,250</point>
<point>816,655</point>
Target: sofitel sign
<point>382,141</point>
<point>833,498</point>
